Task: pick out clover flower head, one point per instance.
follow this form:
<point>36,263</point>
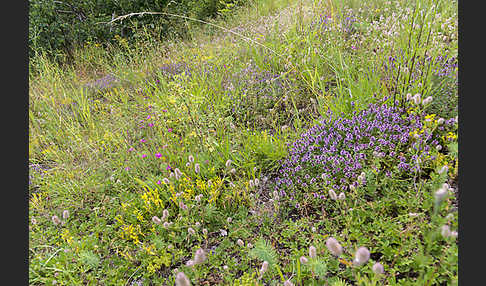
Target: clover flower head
<point>256,182</point>
<point>225,267</point>
<point>264,267</point>
<point>177,173</point>
<point>313,229</point>
<point>341,196</point>
<point>165,214</point>
<point>445,231</point>
<point>182,206</point>
<point>65,214</point>
<point>228,163</point>
<point>453,234</point>
<point>55,220</point>
<point>191,231</point>
<point>182,280</point>
<point>288,283</point>
<point>229,219</point>
<point>438,147</point>
<point>196,168</point>
<point>416,98</point>
<point>233,170</point>
<point>440,121</point>
<point>165,180</point>
<point>190,263</point>
<point>440,194</point>
<point>156,220</point>
<point>378,268</point>
<point>205,231</point>
<point>167,224</point>
<point>303,260</point>
<point>332,194</point>
<point>191,159</point>
<point>200,256</point>
<point>362,256</point>
<point>445,168</point>
<point>223,232</point>
<point>240,242</point>
<point>312,252</point>
<point>427,100</point>
<point>333,246</point>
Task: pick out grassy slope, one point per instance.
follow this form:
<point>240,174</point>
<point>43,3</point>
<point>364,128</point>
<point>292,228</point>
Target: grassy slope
<point>245,102</point>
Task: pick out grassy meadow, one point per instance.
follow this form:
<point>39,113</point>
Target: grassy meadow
<point>291,143</point>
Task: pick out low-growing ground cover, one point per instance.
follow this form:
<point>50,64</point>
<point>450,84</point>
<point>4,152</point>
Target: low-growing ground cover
<point>317,146</point>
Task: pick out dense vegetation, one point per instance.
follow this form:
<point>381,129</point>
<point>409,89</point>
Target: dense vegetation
<point>303,143</point>
<point>57,27</point>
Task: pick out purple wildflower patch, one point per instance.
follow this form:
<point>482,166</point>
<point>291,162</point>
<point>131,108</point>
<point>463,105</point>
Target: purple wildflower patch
<point>336,151</point>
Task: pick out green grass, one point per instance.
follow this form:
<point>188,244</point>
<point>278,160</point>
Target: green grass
<point>247,103</point>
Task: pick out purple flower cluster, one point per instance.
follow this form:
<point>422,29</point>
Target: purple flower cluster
<point>103,83</point>
<point>173,69</point>
<point>254,81</point>
<point>36,169</point>
<point>334,152</point>
<point>444,66</point>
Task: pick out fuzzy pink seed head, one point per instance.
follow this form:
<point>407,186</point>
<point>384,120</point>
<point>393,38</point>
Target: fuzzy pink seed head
<point>333,246</point>
<point>182,280</point>
<point>362,255</point>
<point>156,220</point>
<point>332,194</point>
<point>378,268</point>
<point>312,252</point>
<point>200,256</point>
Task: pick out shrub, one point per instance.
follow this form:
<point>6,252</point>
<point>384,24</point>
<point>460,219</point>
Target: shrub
<point>56,27</point>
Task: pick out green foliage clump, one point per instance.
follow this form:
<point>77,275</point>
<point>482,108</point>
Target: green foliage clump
<point>56,27</point>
